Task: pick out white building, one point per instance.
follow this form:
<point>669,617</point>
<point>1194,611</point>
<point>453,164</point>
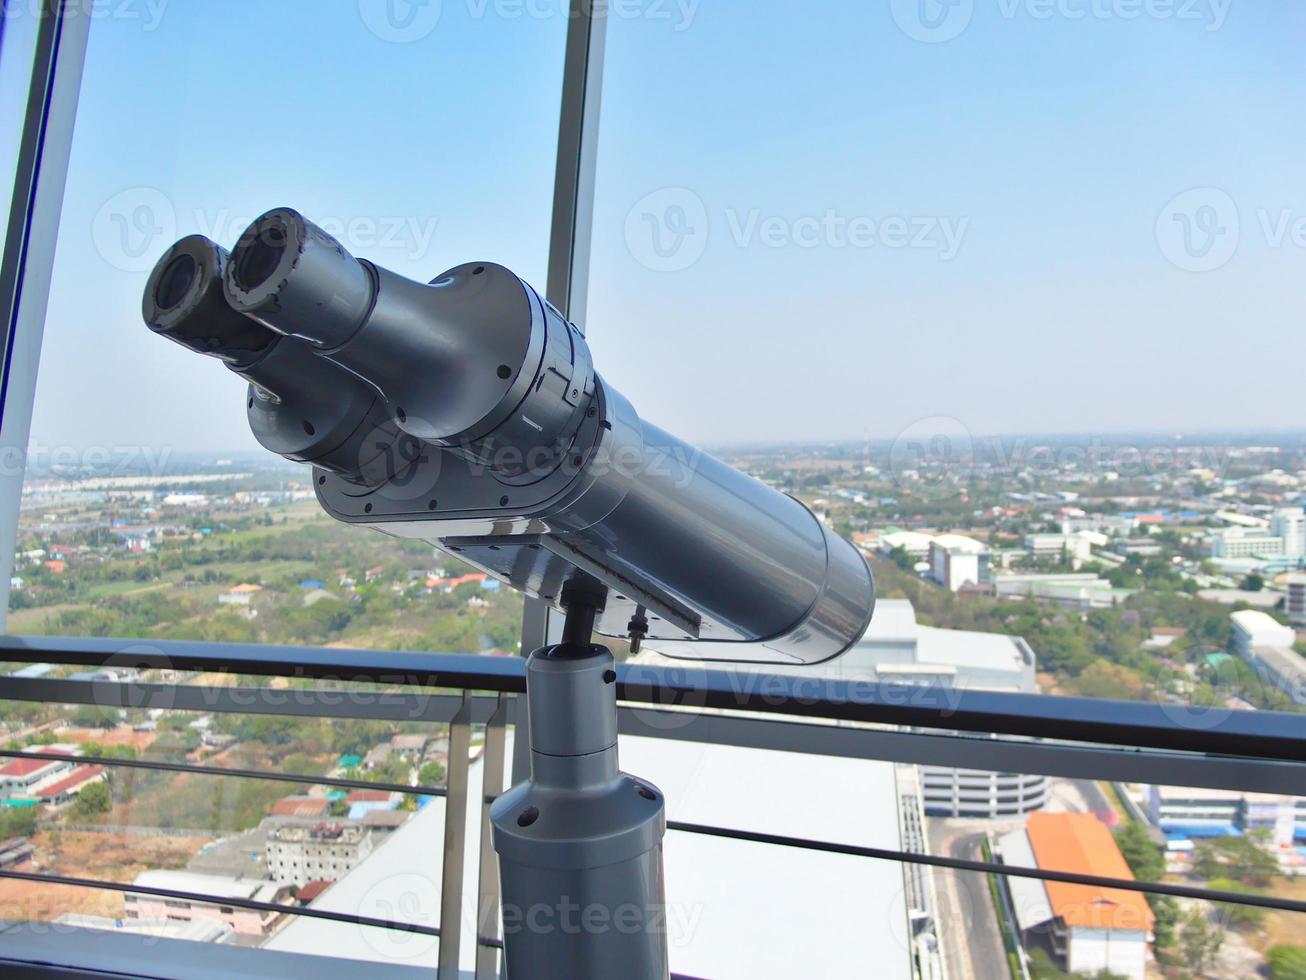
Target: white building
<point>1085,928</point>
<point>914,543</point>
<point>324,852</point>
<point>1074,590</point>
<point>956,560</point>
<point>1289,524</point>
<point>248,922</point>
<point>18,777</point>
<point>1241,542</point>
<point>1253,628</point>
<point>1267,645</point>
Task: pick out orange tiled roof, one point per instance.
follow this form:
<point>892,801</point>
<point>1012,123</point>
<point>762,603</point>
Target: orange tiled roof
<point>1080,842</point>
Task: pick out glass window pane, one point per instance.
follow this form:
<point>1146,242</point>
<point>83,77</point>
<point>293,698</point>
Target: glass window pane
<point>149,509</point>
<point>1019,273</point>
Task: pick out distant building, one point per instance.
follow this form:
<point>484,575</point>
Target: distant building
<point>1084,928</point>
<point>1253,628</point>
<point>248,922</point>
<point>1184,812</point>
<point>956,560</point>
<point>326,851</point>
<point>200,930</point>
<point>1295,601</point>
<point>897,649</point>
<point>19,776</point>
<point>309,807</point>
<point>1289,524</point>
<point>60,790</point>
<point>1073,590</point>
<point>240,595</point>
<point>1267,645</point>
<point>409,746</point>
<point>915,543</point>
<point>1244,542</point>
<point>377,756</point>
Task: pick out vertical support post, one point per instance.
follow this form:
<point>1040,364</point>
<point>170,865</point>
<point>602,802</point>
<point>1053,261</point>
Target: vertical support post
<point>570,231</point>
<point>492,771</point>
<point>29,245</point>
<point>455,839</point>
<point>580,839</point>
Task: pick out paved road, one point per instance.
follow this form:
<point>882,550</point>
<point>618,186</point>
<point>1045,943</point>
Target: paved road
<point>1096,800</point>
<point>968,926</point>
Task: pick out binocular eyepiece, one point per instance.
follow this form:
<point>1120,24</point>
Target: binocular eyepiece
<point>351,367</point>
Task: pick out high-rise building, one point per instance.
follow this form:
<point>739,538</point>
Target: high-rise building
<point>956,560</point>
<point>1290,525</point>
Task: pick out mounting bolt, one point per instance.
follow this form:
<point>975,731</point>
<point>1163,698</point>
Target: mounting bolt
<point>637,628</point>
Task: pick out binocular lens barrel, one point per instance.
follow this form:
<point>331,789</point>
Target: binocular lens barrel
<point>185,302</point>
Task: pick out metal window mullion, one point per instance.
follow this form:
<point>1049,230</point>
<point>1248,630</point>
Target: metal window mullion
<point>29,247</point>
<point>570,234</point>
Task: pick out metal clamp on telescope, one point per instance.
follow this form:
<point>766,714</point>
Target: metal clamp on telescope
<point>466,412</point>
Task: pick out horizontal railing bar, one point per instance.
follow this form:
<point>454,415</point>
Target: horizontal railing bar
<point>1272,735</point>
<point>1268,735</point>
<point>969,752</point>
<point>241,903</point>
<point>1015,871</point>
<point>458,671</point>
<point>292,702</point>
<point>276,777</point>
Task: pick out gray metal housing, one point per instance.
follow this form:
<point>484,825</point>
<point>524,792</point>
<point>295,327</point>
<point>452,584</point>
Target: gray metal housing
<point>467,413</point>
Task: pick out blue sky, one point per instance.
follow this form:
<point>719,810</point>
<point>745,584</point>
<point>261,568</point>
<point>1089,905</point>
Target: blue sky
<point>1071,216</point>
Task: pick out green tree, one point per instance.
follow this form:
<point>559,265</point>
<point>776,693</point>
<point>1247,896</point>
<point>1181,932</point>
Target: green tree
<point>1199,941</point>
<point>431,774</point>
<point>93,800</point>
<point>94,716</point>
<point>1143,855</point>
<point>18,823</point>
<point>1240,858</point>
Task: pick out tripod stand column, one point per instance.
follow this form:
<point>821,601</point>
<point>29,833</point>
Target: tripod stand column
<point>580,842</point>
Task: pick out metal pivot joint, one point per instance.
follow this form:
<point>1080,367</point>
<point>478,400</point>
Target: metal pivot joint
<point>580,842</point>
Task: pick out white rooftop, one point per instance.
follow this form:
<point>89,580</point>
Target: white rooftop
<point>1261,627</point>
<point>736,909</point>
<point>219,886</point>
<point>893,619</point>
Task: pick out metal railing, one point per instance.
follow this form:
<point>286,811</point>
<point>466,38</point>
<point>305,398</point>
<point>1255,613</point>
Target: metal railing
<point>1134,742</point>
